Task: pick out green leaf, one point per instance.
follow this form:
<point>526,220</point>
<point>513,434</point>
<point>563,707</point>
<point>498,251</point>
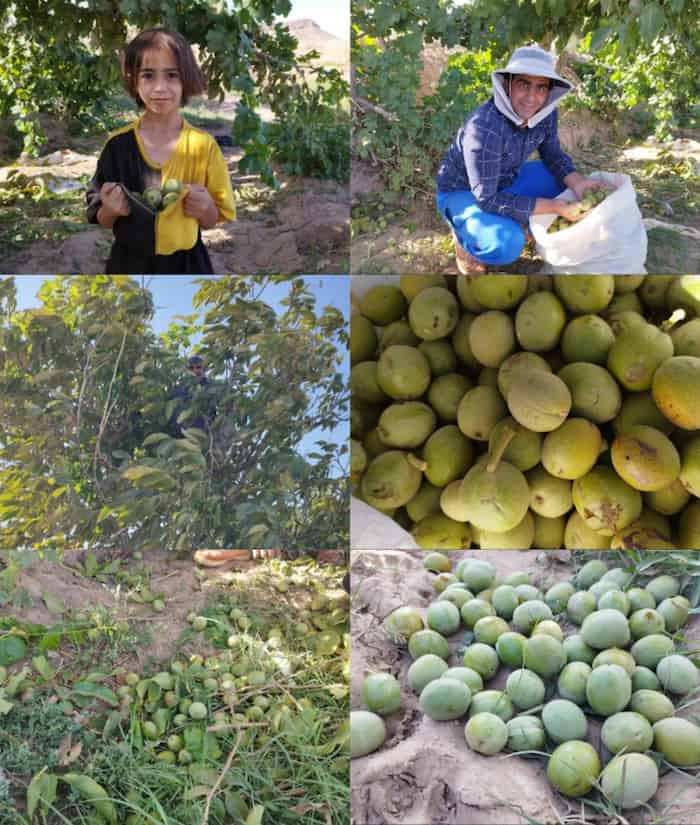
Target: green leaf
<point>112,724</point>
<point>194,741</point>
<point>50,641</point>
<point>600,36</point>
<point>43,668</point>
<point>12,649</point>
<point>93,691</point>
<point>17,682</point>
<point>91,566</point>
<point>155,438</point>
<point>257,530</point>
<point>53,603</point>
<point>41,791</point>
<point>651,21</point>
<point>255,817</point>
<point>138,471</point>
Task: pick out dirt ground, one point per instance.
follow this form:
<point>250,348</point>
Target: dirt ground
<point>410,236</point>
<point>301,228</point>
<point>179,582</point>
<point>175,579</point>
<point>425,772</point>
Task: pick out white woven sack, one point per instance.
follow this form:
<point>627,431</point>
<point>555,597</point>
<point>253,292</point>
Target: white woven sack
<point>372,530</point>
<point>610,239</point>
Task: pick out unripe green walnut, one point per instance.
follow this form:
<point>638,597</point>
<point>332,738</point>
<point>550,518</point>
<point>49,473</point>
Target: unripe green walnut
<point>573,768</point>
<point>406,425</point>
<point>480,409</point>
<point>595,394</point>
<point>437,530</point>
<point>391,480</point>
<point>636,355</point>
<point>411,285</point>
<point>538,400</point>
<point>503,292</point>
<point>486,733</point>
<point>363,339</point>
<point>519,362</point>
<point>381,693</point>
<point>585,294</point>
<point>440,355</point>
<point>676,388</point>
<point>539,322</point>
<point>383,304</point>
<point>448,454</point>
<point>495,500</point>
<point>445,393</point>
<point>605,502</point>
<point>630,780</point>
<point>572,450</point>
<point>587,338</point>
<point>433,313</point>
<point>645,458</point>
<point>403,372</point>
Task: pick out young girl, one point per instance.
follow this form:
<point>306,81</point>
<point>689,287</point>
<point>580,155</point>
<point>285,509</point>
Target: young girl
<point>161,74</point>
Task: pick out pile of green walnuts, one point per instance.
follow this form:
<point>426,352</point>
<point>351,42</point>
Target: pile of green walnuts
<point>602,646</point>
<point>515,411</point>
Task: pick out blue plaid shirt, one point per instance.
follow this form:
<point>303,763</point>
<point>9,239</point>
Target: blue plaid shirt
<point>495,149</point>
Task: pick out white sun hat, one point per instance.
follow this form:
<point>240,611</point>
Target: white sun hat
<point>534,61</point>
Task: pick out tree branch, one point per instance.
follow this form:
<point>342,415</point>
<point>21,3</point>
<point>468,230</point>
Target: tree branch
<point>107,409</point>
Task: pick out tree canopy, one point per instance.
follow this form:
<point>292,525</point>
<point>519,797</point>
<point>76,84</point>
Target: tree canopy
<point>86,392</point>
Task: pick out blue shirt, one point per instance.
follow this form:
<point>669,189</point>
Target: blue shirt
<point>495,149</point>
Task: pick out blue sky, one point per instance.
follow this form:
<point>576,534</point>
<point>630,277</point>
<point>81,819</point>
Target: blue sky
<point>173,296</point>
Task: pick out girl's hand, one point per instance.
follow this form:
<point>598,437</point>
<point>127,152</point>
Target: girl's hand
<point>114,202</point>
<point>199,204</point>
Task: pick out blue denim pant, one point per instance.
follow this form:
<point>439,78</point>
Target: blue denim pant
<point>495,240</point>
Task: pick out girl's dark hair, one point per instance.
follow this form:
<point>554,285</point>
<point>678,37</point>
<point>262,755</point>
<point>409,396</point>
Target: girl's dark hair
<point>193,81</point>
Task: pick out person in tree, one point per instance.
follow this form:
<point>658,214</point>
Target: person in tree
<point>486,186</point>
<point>186,394</point>
<point>160,150</point>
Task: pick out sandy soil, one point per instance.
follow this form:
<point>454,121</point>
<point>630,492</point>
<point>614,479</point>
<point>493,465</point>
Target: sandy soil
<point>425,773</point>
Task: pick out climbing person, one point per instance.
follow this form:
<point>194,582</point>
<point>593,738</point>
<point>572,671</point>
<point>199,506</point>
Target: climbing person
<point>486,186</point>
<point>186,392</point>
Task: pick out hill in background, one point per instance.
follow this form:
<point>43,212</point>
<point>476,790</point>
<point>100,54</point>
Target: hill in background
<point>333,51</point>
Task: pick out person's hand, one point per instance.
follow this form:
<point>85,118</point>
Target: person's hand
<point>114,202</point>
<point>584,185</point>
<point>198,203</point>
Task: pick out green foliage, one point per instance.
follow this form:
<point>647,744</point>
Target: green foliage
<point>311,135</point>
<point>87,391</point>
<point>48,71</point>
<point>634,24</point>
<point>45,66</point>
<point>659,79</point>
<point>392,127</point>
<point>463,85</point>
